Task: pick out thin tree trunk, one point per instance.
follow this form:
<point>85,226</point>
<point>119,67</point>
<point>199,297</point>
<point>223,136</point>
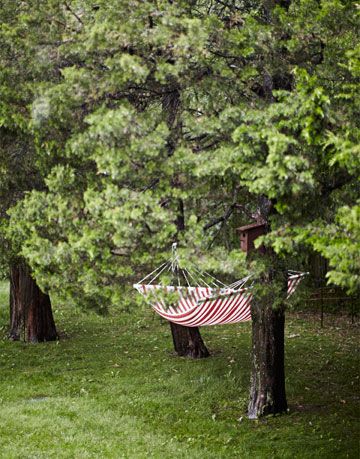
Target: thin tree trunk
<point>188,342</point>
<point>30,309</point>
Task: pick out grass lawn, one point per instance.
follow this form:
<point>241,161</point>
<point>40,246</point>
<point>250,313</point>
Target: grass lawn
<point>111,388</point>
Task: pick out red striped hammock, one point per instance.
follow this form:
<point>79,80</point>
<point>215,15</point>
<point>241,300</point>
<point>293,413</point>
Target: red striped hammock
<point>200,306</point>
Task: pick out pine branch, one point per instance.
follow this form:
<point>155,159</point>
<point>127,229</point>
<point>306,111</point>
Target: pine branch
<point>76,16</point>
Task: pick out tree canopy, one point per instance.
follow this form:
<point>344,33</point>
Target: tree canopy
<point>194,109</point>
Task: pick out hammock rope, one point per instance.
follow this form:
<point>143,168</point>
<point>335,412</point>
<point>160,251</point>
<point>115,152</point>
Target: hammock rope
<point>202,304</point>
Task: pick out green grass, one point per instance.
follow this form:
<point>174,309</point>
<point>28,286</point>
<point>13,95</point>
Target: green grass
<point>111,388</point>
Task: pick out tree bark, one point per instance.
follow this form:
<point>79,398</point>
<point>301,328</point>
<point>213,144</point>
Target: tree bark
<point>188,342</point>
<point>267,387</point>
<point>30,309</point>
<point>267,391</point>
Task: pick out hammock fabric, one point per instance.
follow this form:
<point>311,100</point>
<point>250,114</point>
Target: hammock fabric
<point>200,306</point>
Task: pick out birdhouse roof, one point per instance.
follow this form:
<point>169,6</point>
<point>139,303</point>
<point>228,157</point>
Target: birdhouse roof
<point>250,227</point>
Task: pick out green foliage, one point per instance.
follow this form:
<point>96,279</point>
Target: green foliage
<point>302,150</point>
<point>340,244</point>
<point>114,201</point>
<point>27,43</point>
<point>184,114</point>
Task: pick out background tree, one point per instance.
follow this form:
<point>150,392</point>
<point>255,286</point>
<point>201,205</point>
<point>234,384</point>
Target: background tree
<point>131,151</point>
<point>27,43</point>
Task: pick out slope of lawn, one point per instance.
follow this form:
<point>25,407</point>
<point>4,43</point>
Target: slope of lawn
<point>111,388</point>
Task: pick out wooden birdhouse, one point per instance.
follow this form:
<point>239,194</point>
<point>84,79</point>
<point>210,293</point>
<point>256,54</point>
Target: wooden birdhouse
<point>248,234</point>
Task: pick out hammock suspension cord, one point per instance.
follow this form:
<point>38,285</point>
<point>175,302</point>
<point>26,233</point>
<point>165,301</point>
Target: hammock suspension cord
<point>208,301</point>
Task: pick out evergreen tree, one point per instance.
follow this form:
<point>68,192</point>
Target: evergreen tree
<point>27,41</point>
<point>171,118</point>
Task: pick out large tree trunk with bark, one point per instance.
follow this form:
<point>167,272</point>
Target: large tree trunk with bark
<point>267,391</point>
<point>30,309</point>
<point>188,342</point>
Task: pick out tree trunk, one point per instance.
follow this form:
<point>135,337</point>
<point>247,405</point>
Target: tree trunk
<point>188,342</point>
<point>30,309</point>
<point>267,391</point>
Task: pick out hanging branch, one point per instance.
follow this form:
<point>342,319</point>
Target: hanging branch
<point>221,219</point>
<point>227,215</point>
<point>76,16</point>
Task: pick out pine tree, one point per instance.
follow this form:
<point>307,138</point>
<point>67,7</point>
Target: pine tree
<point>209,112</point>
